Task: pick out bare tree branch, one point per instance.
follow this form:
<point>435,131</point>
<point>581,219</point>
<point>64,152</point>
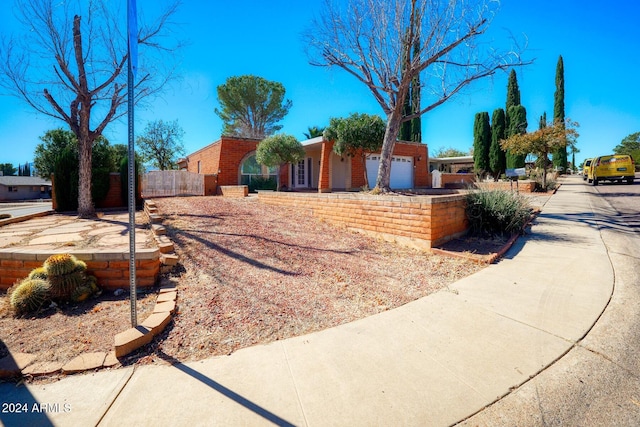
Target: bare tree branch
<point>70,64</point>
<point>372,40</point>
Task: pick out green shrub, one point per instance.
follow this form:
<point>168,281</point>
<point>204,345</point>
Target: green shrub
<point>66,180</point>
<point>262,183</point>
<point>497,213</point>
<point>124,182</point>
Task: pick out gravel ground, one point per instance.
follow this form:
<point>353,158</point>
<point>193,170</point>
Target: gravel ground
<point>249,274</point>
<point>253,273</point>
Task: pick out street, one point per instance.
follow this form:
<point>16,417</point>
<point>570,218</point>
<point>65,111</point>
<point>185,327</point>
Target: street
<point>24,208</point>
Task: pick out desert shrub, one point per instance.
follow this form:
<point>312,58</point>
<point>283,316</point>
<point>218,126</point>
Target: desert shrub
<point>262,183</point>
<point>497,213</point>
<point>551,185</point>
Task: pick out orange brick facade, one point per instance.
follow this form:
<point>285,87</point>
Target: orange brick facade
<point>418,221</point>
<point>224,157</point>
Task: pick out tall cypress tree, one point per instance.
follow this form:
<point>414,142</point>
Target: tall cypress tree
<point>481,143</point>
<point>411,130</point>
<point>513,91</point>
<point>497,157</point>
<point>514,119</point>
<point>560,155</point>
<point>543,121</point>
<point>517,125</point>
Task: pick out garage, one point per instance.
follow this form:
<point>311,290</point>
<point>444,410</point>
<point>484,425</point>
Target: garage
<point>401,171</point>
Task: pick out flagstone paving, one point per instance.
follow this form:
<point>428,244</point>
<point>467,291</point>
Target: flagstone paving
<point>109,231</point>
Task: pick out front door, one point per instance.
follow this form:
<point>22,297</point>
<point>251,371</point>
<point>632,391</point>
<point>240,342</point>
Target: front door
<point>301,174</point>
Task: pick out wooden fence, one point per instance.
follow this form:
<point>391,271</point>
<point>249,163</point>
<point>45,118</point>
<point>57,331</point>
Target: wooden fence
<point>172,183</point>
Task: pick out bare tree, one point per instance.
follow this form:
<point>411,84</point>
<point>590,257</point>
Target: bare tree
<point>71,64</point>
<point>372,40</point>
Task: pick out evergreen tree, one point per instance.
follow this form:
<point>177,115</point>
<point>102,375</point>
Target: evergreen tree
<point>517,126</point>
<point>513,94</point>
<point>560,155</point>
<point>497,157</point>
<point>481,143</point>
<point>543,121</point>
<point>411,130</point>
<point>514,125</point>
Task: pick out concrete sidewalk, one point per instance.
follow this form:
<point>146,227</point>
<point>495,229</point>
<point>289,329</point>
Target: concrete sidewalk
<point>435,361</point>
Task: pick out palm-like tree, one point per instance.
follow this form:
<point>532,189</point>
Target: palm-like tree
<point>313,132</point>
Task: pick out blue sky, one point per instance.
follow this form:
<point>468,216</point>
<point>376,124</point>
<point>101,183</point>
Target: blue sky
<point>599,44</point>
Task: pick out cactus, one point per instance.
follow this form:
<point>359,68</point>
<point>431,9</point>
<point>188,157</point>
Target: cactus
<point>92,282</point>
<point>39,273</point>
<point>60,264</point>
<point>29,296</point>
<point>81,293</point>
<point>66,274</point>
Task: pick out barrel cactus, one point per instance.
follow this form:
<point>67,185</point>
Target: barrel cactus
<point>29,296</point>
<point>60,264</point>
<point>39,273</point>
<point>66,274</point>
<point>81,293</point>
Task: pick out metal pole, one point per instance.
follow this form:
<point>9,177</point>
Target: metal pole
<point>132,196</point>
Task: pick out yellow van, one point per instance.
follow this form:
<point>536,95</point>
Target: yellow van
<point>613,167</point>
<point>585,169</point>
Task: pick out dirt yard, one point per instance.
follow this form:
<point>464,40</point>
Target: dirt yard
<point>249,274</point>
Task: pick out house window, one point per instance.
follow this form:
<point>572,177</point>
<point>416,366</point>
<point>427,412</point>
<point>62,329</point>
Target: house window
<point>251,170</point>
<point>198,166</point>
<point>13,189</point>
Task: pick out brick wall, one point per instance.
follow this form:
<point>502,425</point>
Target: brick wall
<point>234,190</point>
<point>457,180</point>
<point>210,185</point>
<point>111,270</point>
<point>523,186</point>
<point>418,221</point>
<point>113,198</point>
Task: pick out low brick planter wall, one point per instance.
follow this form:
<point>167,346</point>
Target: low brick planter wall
<point>458,180</point>
<point>111,269</point>
<point>523,186</point>
<point>418,221</point>
<point>234,190</point>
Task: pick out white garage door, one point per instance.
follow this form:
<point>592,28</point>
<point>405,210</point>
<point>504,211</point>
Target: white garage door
<point>401,171</point>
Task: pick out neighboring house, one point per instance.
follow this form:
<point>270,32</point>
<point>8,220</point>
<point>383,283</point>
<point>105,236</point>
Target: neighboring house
<point>24,188</point>
<point>233,161</point>
<point>463,164</point>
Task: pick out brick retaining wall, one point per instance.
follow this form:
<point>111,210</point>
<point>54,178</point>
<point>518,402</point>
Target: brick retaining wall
<point>418,221</point>
<point>111,269</point>
<point>234,190</point>
<point>523,186</point>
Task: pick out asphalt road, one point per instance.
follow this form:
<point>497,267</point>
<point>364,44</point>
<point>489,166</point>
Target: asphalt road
<point>597,383</point>
<point>26,208</point>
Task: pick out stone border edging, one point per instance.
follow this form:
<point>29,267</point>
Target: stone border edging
<point>124,342</point>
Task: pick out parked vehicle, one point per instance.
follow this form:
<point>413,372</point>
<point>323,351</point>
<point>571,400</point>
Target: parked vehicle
<point>585,169</point>
<point>613,167</point>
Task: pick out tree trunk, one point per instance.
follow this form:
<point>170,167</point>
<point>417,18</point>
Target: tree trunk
<point>364,167</point>
<point>85,204</point>
<point>383,181</point>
